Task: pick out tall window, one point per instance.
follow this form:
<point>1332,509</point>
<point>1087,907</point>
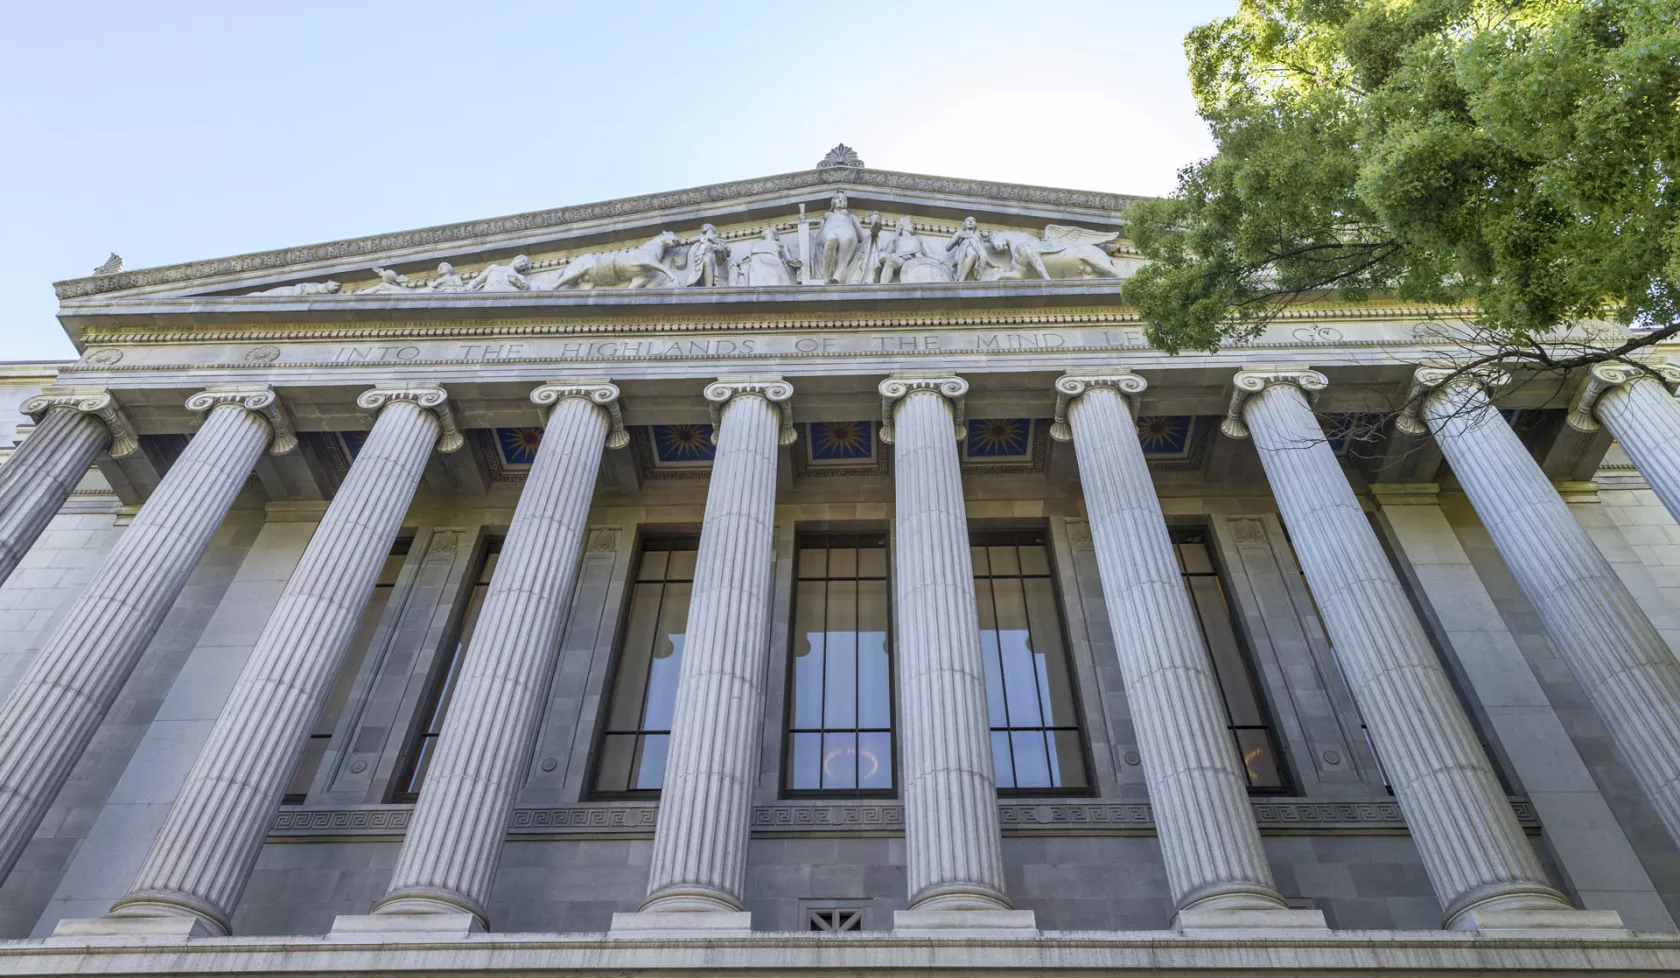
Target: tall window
<point>1245,716</point>
<point>298,791</point>
<point>435,706</point>
<point>631,758</point>
<point>1036,745</point>
<point>840,683</point>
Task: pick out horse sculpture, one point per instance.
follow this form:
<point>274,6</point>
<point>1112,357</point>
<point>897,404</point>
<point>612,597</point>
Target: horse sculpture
<point>642,267</point>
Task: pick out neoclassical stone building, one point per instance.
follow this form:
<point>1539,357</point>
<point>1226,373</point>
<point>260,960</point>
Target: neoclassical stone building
<point>820,571</point>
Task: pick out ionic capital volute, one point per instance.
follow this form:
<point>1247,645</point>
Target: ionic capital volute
<point>895,389</point>
<point>603,395</point>
<point>261,401</point>
<point>426,396</point>
<point>1250,381</point>
<point>778,392</point>
<point>1604,377</point>
<point>1433,380</point>
<point>1070,387</point>
<point>95,401</point>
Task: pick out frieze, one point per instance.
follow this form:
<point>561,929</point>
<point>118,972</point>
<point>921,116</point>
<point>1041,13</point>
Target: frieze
<point>638,819</point>
<point>559,217</point>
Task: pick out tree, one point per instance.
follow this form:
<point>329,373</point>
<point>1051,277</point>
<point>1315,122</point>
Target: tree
<point>1514,157</point>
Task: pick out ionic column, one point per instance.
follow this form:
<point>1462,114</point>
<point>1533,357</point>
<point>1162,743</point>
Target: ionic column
<point>1197,790</point>
<point>449,857</point>
<point>951,839</point>
<point>60,700</point>
<point>1599,630</point>
<point>1639,408</point>
<point>1472,847</point>
<point>205,851</point>
<point>699,858</point>
<point>71,428</point>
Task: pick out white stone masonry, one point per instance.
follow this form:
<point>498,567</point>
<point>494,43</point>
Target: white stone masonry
<point>1474,850</point>
<point>1630,675</point>
<point>699,858</point>
<point>1197,789</point>
<point>59,702</point>
<point>953,846</point>
<point>204,853</point>
<point>454,842</point>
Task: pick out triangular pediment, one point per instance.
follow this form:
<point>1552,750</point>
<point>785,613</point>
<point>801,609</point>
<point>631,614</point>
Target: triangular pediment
<point>906,227</point>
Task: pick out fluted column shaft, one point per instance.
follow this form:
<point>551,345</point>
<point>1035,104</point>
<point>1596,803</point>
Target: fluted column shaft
<point>952,843</point>
<point>1617,656</point>
<point>38,478</point>
<point>454,842</point>
<point>699,860</point>
<point>59,702</point>
<point>1645,418</point>
<point>1472,846</point>
<point>1197,790</point>
<point>205,851</point>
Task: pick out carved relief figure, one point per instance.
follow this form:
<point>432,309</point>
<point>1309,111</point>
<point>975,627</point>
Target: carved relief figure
<point>765,263</point>
<point>867,259</point>
<point>389,281</point>
<point>329,287</point>
<point>502,278</point>
<point>903,246</point>
<point>838,238</point>
<point>708,257</point>
<point>1063,252</point>
<point>967,251</point>
<point>448,280</point>
<point>641,267</point>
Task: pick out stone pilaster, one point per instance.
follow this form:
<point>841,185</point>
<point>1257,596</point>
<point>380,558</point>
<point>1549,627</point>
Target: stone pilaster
<point>454,841</point>
<point>1477,857</point>
<point>71,428</point>
<point>952,844</point>
<point>1197,789</point>
<point>1639,408</point>
<point>1599,630</point>
<point>205,851</point>
<point>699,858</point>
<point>59,702</point>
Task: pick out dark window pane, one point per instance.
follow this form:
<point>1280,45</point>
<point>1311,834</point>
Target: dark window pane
<point>1050,658</point>
<point>809,640</point>
<point>1067,759</point>
<point>1003,766</point>
<point>1258,758</point>
<point>1032,761</point>
<point>638,719</point>
<point>1035,562</point>
<point>805,764</point>
<point>839,761</point>
<point>840,677</point>
<point>875,761</point>
<point>650,762</point>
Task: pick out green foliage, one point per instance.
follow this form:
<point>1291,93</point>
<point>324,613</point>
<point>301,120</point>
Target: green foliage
<point>1519,157</point>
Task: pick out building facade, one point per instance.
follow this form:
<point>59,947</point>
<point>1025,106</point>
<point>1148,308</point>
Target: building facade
<point>820,571</point>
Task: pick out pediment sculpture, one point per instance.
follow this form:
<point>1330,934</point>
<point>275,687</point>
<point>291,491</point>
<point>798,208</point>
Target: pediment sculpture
<point>843,250</point>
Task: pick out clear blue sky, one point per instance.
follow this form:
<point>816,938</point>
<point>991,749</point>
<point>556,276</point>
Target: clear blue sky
<point>171,132</point>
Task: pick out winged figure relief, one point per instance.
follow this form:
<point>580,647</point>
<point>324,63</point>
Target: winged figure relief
<point>1063,252</point>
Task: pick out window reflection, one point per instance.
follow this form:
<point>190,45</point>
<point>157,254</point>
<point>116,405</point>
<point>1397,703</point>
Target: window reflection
<point>1251,732</point>
<point>631,759</point>
<point>1036,744</point>
<point>840,680</point>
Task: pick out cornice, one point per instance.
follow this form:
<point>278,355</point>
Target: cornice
<point>624,207</point>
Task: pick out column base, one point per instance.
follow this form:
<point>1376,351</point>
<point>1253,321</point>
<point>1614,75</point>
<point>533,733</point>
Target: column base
<point>1293,923</point>
<point>656,924</point>
<point>404,926</point>
<point>965,923</point>
<point>1540,919</point>
<point>171,928</point>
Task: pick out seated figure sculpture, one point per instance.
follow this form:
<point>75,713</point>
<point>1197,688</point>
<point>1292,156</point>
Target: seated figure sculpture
<point>389,281</point>
<point>501,278</point>
<point>764,263</point>
<point>903,247</point>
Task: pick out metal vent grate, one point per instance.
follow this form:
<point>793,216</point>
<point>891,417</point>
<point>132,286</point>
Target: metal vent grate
<point>834,920</point>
